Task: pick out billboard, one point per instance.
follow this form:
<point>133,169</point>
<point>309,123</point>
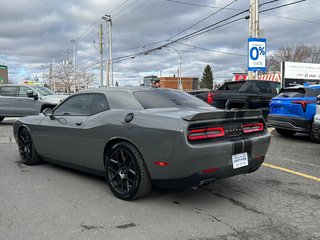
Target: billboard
<point>299,73</point>
<point>256,54</point>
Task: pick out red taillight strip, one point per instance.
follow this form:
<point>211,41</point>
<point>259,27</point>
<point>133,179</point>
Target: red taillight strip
<point>303,103</point>
<point>215,132</point>
<point>252,127</point>
<point>203,133</point>
<point>210,98</point>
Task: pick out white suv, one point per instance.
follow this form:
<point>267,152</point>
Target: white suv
<point>23,100</point>
<point>316,122</point>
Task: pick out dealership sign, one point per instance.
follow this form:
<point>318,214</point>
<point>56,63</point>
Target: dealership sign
<point>256,54</point>
<point>297,70</point>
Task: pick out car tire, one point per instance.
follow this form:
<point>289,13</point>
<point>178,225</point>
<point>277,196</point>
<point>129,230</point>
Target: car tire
<point>126,172</point>
<point>315,134</point>
<point>27,150</point>
<point>285,132</point>
<point>1,119</point>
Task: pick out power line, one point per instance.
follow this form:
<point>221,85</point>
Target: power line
<point>281,6</point>
<point>119,6</point>
<point>140,6</point>
<point>201,5</point>
<point>202,31</point>
<point>203,19</point>
<point>211,50</point>
<point>295,19</point>
<point>126,7</point>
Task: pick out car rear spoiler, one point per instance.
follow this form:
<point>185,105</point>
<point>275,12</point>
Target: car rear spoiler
<point>228,114</point>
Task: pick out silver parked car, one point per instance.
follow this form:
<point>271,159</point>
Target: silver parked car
<point>316,122</point>
<point>24,100</point>
<point>139,137</point>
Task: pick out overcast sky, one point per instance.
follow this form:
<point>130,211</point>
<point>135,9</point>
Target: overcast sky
<point>35,33</point>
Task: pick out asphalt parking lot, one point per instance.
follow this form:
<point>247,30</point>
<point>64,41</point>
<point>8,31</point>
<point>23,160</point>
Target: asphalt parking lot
<point>279,201</point>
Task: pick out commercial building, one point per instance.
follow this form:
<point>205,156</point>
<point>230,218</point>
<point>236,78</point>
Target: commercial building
<point>188,83</point>
<point>3,74</point>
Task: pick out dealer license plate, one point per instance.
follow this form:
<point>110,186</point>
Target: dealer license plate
<point>240,160</point>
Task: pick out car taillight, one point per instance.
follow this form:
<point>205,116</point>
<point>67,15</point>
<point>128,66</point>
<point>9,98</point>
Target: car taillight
<point>303,103</point>
<point>205,133</point>
<point>252,127</point>
<point>210,98</point>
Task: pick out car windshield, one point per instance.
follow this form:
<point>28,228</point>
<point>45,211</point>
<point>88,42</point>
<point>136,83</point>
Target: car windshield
<point>43,90</point>
<point>167,99</point>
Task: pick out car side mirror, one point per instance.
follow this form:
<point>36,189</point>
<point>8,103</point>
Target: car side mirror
<point>32,94</point>
<point>48,112</point>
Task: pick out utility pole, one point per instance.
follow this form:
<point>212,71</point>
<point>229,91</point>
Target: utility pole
<point>179,71</point>
<point>74,64</point>
<point>254,27</point>
<point>108,19</point>
<point>101,57</point>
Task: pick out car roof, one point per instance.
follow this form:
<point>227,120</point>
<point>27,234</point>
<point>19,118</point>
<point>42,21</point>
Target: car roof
<point>20,85</point>
<point>123,89</point>
<point>304,86</point>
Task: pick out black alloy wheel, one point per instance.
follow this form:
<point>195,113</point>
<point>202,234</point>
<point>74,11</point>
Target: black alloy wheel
<point>126,172</point>
<point>27,151</point>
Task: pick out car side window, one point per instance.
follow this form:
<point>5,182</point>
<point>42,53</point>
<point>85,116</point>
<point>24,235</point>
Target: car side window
<point>264,87</point>
<point>276,87</point>
<point>99,104</point>
<point>23,91</point>
<point>10,91</point>
<point>78,105</point>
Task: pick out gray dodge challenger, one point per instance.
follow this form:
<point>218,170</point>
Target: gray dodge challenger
<point>143,137</point>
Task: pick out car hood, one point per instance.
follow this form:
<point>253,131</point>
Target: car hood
<point>203,113</point>
<point>54,98</point>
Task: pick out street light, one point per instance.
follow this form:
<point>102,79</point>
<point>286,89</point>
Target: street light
<point>107,18</point>
<point>180,55</point>
<point>74,64</point>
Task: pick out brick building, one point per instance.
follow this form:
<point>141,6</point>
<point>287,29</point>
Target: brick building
<point>3,74</point>
<point>188,83</point>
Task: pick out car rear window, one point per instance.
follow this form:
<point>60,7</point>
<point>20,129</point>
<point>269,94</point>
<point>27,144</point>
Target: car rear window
<point>299,92</point>
<point>167,99</point>
<point>231,86</point>
<point>311,92</point>
<point>292,92</point>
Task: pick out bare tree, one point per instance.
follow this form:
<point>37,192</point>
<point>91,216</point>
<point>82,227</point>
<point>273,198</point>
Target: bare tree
<point>293,53</point>
<point>63,77</point>
<point>85,79</point>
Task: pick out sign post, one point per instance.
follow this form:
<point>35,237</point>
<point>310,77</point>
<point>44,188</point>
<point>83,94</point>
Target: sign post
<point>256,55</point>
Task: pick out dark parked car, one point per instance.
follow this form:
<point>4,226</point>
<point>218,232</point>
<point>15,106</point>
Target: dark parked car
<point>139,137</point>
<point>207,95</point>
<point>250,94</point>
<point>253,94</point>
<point>23,100</point>
<point>293,110</point>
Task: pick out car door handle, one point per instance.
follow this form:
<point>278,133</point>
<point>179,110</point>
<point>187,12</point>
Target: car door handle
<point>79,123</point>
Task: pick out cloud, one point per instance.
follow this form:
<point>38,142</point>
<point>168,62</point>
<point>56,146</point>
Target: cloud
<point>35,32</point>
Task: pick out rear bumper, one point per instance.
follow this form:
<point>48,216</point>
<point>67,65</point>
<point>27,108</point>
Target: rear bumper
<point>289,123</point>
<point>199,179</point>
